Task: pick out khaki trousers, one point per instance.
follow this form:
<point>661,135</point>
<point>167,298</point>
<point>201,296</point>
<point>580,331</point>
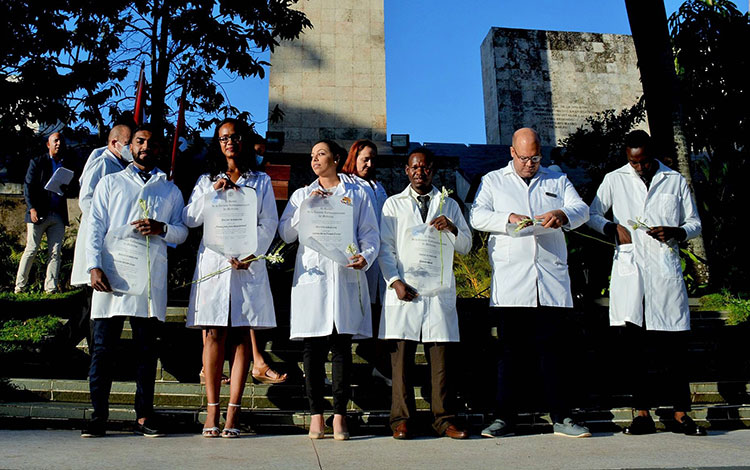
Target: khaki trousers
<point>54,227</point>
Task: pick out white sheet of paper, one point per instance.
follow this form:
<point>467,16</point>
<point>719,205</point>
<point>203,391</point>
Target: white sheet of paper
<point>60,177</point>
<point>422,260</point>
<point>535,229</point>
<point>327,226</point>
<point>125,260</point>
<point>230,222</point>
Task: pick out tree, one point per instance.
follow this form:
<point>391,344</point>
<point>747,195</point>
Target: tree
<point>186,43</point>
<point>54,66</point>
<point>68,60</point>
<point>648,24</point>
<point>713,82</point>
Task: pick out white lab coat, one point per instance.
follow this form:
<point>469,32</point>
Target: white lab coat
<point>647,269</point>
<point>243,294</point>
<point>93,156</point>
<point>529,266</point>
<point>115,204</point>
<point>377,192</point>
<point>324,293</point>
<point>427,318</point>
<point>100,167</point>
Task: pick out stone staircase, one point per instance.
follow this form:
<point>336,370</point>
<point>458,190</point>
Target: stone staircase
<point>53,391</point>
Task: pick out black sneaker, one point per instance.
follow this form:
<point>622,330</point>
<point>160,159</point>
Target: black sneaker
<point>94,429</point>
<point>149,428</point>
<point>641,425</point>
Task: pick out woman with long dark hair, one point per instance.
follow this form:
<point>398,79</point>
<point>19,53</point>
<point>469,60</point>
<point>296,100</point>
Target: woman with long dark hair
<point>229,305</point>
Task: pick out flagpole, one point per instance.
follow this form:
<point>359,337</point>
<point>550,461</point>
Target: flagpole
<point>139,112</point>
<point>179,128</point>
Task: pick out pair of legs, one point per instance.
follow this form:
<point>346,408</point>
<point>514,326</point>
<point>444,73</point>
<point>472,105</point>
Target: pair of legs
<point>54,227</point>
<point>106,336</point>
<point>402,364</point>
<point>539,333</point>
<point>261,369</point>
<point>214,346</point>
<point>666,352</point>
<point>314,357</point>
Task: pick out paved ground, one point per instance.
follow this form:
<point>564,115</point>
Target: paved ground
<point>65,449</point>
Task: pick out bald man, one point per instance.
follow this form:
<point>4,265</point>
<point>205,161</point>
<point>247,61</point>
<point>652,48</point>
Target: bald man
<point>524,208</point>
<point>46,213</point>
<point>121,133</point>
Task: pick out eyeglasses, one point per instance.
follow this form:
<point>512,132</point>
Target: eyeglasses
<point>532,159</point>
<point>236,138</point>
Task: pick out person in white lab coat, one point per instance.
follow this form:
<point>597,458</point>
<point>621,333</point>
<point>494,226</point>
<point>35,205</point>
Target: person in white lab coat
<point>115,208</point>
<point>530,281</point>
<point>228,305</point>
<point>329,304</point>
<point>410,317</point>
<point>648,299</point>
<point>110,160</point>
<point>360,166</point>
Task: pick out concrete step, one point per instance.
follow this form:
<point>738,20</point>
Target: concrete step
<point>189,419</point>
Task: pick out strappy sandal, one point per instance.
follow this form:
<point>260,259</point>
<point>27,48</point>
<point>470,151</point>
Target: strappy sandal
<point>212,431</point>
<point>231,433</point>
<point>224,378</point>
<point>263,377</point>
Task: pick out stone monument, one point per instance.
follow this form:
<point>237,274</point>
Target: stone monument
<point>330,83</point>
<point>553,80</point>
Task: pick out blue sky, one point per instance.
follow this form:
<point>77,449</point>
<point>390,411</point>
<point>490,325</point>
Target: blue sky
<point>433,71</point>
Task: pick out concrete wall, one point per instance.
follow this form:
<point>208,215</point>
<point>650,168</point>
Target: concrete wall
<point>553,80</point>
<point>330,83</point>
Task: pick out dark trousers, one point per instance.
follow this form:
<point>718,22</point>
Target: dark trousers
<point>537,334</point>
<point>106,337</point>
<point>664,352</point>
<point>402,404</point>
<point>314,361</point>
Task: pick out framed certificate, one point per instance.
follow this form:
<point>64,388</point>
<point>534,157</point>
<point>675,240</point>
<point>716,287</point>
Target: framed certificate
<point>326,224</point>
<point>230,222</point>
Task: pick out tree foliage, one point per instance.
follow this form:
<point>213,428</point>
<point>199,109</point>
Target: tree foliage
<point>72,61</point>
<point>713,69</point>
<point>598,146</point>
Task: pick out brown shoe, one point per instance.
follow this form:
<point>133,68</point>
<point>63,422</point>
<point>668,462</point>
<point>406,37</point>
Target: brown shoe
<point>454,433</point>
<point>401,432</point>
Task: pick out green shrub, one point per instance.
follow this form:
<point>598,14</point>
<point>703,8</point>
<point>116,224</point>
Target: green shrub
<point>737,307</point>
<point>33,330</point>
<point>473,271</point>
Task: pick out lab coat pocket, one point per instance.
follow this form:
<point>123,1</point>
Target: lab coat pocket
<point>624,260</point>
<point>499,247</point>
<point>669,205</point>
<point>310,269</point>
<point>671,267</point>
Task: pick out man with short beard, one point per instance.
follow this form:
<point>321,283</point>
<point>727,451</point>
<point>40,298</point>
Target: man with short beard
<point>136,202</point>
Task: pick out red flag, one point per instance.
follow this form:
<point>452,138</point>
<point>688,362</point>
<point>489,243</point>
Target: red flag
<point>178,130</point>
<point>139,113</point>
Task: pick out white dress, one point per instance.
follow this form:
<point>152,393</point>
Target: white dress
<point>245,295</point>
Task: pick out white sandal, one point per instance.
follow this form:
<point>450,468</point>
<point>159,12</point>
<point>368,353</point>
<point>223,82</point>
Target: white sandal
<point>231,433</point>
<point>212,431</point>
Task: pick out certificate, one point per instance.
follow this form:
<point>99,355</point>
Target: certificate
<point>427,259</point>
<point>60,177</point>
<point>125,260</point>
<point>326,224</point>
<point>230,222</point>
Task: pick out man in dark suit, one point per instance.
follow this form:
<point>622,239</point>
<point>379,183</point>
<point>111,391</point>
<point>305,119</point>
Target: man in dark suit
<point>46,212</point>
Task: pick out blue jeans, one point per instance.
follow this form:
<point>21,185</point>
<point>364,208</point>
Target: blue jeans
<point>106,338</point>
